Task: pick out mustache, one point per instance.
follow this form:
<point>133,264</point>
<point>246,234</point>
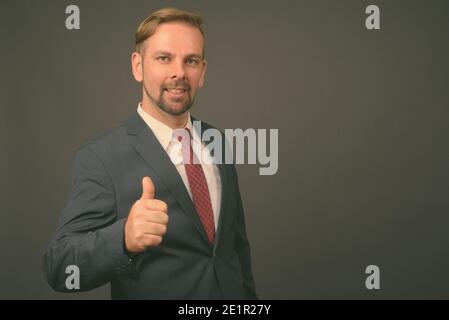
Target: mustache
<point>178,85</point>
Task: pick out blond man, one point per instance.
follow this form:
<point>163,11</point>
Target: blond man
<point>152,227</point>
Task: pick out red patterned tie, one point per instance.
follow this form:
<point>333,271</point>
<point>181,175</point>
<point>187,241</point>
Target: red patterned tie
<point>197,182</point>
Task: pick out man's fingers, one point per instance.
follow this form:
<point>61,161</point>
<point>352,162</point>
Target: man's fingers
<point>147,188</point>
<point>144,228</point>
<point>156,217</point>
<point>155,229</point>
<point>151,241</point>
<point>147,221</point>
<point>154,204</point>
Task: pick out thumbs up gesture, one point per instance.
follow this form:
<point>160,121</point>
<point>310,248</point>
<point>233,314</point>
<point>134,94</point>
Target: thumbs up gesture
<point>147,220</point>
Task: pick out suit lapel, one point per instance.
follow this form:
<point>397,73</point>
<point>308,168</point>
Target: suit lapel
<point>224,174</point>
<point>147,145</point>
<point>224,195</point>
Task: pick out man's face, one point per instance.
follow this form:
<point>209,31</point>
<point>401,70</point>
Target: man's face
<point>171,67</point>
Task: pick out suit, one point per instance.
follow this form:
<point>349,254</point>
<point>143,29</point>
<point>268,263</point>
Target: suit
<point>107,175</point>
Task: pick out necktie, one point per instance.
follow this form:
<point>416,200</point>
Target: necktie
<point>197,182</point>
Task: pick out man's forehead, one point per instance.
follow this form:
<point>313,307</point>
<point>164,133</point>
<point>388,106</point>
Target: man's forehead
<point>176,25</point>
<point>177,33</point>
<point>173,37</point>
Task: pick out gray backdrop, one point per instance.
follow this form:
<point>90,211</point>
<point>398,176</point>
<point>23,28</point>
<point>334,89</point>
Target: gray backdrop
<point>363,134</point>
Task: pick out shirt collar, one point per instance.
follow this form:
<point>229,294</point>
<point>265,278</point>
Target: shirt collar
<point>163,132</point>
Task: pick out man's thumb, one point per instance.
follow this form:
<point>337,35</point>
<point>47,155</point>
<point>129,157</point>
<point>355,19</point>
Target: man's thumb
<point>147,188</point>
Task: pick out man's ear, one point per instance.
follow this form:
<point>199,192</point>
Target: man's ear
<point>203,73</point>
<point>137,68</point>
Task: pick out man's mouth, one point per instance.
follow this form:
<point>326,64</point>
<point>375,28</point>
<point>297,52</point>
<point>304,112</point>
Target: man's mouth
<point>175,90</point>
<point>176,93</point>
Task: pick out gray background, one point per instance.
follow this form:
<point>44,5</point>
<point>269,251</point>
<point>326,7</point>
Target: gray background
<point>363,134</point>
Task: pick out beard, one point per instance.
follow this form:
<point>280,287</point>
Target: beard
<point>168,105</point>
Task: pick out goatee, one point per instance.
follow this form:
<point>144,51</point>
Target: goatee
<point>165,104</point>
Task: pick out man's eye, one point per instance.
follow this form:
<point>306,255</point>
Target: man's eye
<point>163,58</point>
<point>192,61</point>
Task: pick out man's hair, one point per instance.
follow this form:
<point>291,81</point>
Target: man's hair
<point>149,25</point>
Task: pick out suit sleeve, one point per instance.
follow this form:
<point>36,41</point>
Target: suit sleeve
<point>243,247</point>
<point>88,235</point>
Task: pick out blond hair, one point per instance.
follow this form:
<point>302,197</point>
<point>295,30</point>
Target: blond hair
<point>149,25</point>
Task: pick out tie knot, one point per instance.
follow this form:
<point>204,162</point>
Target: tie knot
<point>183,135</point>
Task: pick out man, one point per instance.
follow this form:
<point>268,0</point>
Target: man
<point>154,227</point>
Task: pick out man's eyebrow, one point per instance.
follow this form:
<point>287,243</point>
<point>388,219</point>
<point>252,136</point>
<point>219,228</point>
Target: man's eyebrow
<point>166,53</point>
<point>195,55</point>
<point>162,53</point>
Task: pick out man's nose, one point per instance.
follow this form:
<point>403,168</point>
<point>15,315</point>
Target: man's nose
<point>178,71</point>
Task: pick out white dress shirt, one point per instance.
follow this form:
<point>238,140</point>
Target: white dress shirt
<point>172,146</point>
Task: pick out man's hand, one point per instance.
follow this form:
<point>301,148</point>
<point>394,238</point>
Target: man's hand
<point>147,220</point>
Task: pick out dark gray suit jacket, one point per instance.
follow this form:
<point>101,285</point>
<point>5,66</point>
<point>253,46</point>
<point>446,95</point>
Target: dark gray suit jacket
<point>107,180</point>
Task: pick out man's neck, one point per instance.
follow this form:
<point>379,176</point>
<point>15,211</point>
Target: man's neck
<point>173,122</point>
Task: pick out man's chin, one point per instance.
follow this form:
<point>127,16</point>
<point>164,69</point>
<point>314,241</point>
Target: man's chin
<point>175,109</point>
